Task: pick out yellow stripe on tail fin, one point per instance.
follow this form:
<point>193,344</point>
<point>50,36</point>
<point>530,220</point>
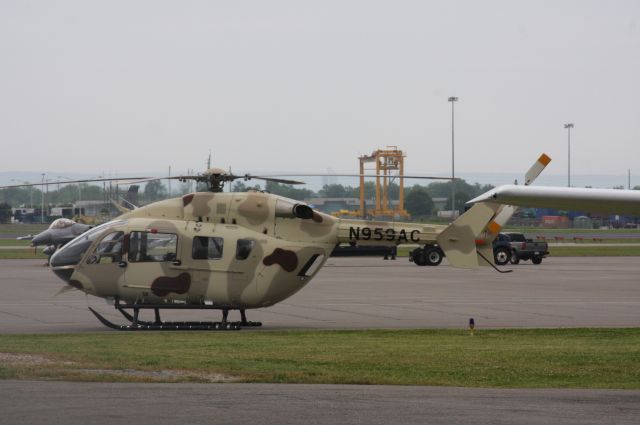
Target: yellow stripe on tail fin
<point>458,241</point>
<point>536,169</point>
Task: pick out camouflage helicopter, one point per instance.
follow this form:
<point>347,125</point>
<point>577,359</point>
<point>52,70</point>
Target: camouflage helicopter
<point>238,251</point>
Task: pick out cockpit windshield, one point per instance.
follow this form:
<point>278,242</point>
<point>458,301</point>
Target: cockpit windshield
<point>61,223</point>
<point>72,253</point>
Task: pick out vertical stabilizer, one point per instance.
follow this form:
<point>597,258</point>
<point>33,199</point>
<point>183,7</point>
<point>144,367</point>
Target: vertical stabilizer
<point>505,212</point>
<point>458,241</point>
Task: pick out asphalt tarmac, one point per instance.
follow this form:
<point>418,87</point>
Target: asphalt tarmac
<point>75,403</point>
<point>349,293</point>
<point>359,293</point>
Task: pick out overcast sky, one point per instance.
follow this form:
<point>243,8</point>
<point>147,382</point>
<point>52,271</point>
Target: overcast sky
<point>138,86</point>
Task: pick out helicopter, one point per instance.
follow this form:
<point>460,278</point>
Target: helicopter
<point>236,251</point>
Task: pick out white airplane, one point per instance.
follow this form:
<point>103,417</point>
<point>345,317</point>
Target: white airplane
<point>614,201</point>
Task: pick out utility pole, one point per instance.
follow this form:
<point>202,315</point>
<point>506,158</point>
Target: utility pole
<point>42,191</point>
<point>568,126</point>
<point>453,100</point>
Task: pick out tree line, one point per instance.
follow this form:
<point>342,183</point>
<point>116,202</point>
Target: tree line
<point>418,198</point>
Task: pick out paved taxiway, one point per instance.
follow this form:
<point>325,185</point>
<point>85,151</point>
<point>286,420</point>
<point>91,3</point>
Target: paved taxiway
<point>357,293</point>
<point>71,403</point>
<point>348,293</point>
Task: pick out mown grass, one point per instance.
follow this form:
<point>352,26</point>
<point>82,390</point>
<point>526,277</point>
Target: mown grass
<point>21,254</point>
<point>14,242</point>
<point>594,251</point>
<point>22,229</point>
<point>539,230</point>
<point>623,250</point>
<point>536,358</point>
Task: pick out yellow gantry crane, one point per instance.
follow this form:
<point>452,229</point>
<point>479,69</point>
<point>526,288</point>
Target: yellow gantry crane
<point>389,166</point>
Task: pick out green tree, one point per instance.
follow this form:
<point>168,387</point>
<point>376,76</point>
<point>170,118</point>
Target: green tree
<point>336,191</point>
<point>443,189</point>
<point>241,187</point>
<point>154,191</point>
<point>393,190</point>
<point>5,213</point>
<point>418,202</point>
<point>461,199</point>
<point>369,190</point>
<point>17,196</point>
<point>91,192</point>
<point>288,191</point>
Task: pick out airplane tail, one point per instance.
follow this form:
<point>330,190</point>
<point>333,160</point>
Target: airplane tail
<point>458,241</point>
<point>505,212</point>
<point>467,242</point>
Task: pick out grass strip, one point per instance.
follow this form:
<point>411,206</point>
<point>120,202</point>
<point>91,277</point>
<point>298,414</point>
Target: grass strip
<point>594,251</point>
<point>531,358</point>
<point>573,251</point>
<point>21,254</point>
<point>542,231</point>
<point>14,242</point>
<point>22,229</point>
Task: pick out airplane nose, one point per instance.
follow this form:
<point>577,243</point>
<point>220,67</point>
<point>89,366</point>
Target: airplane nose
<point>42,239</point>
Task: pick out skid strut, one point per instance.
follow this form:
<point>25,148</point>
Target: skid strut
<point>159,325</point>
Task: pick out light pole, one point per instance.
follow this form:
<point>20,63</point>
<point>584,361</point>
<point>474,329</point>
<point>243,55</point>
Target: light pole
<point>568,126</point>
<point>42,211</point>
<point>453,100</point>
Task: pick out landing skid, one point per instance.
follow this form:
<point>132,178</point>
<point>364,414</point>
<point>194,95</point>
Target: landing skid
<point>159,325</point>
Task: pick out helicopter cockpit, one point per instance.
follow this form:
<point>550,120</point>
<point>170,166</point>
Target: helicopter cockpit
<point>72,253</point>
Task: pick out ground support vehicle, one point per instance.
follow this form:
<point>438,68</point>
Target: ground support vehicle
<point>501,249</point>
<point>427,255</point>
<point>526,249</point>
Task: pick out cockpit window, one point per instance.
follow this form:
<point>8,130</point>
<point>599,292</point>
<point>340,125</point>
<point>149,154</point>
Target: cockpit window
<point>205,248</point>
<point>108,250</point>
<point>151,246</point>
<point>72,253</point>
<point>61,223</point>
<point>243,248</point>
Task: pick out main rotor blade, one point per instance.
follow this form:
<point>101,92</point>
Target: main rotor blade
<point>271,179</point>
<point>132,179</point>
<point>366,175</point>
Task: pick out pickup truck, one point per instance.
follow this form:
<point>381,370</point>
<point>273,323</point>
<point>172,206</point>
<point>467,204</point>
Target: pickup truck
<point>526,249</point>
<point>507,247</point>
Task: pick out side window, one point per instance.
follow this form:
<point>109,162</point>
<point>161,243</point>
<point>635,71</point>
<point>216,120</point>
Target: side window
<point>205,248</point>
<point>150,247</point>
<point>108,250</point>
<point>243,249</point>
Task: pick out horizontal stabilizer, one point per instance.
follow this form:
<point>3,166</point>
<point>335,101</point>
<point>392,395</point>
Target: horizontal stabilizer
<point>612,201</point>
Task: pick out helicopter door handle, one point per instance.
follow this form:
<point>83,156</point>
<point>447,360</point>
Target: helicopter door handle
<point>122,264</point>
<point>176,262</point>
